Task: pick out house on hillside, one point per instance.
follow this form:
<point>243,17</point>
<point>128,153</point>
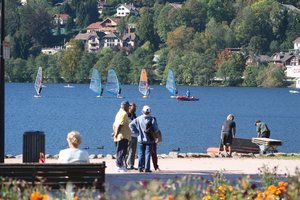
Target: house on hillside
<point>112,40</point>
<point>260,59</point>
<point>91,41</point>
<point>108,25</point>
<point>282,59</point>
<point>297,43</point>
<point>60,19</point>
<point>52,50</point>
<point>125,10</point>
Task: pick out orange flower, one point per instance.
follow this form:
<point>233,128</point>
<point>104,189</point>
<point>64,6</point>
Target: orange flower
<point>75,198</point>
<point>222,188</point>
<point>155,198</point>
<point>169,197</point>
<point>272,189</point>
<point>36,196</point>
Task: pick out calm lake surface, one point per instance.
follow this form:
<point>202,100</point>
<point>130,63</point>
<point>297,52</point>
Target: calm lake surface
<point>192,126</point>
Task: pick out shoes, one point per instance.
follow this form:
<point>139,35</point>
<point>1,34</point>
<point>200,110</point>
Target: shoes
<point>132,168</point>
<point>148,171</point>
<point>121,169</point>
<point>157,169</point>
<point>141,170</point>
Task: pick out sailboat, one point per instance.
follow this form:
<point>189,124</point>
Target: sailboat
<point>112,85</point>
<point>143,84</point>
<point>38,84</point>
<point>171,84</point>
<point>95,84</point>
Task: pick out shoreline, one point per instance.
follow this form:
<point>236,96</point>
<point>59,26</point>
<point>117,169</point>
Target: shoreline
<point>174,154</point>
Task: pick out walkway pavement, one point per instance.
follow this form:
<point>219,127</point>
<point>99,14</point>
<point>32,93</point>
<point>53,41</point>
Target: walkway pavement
<point>171,168</point>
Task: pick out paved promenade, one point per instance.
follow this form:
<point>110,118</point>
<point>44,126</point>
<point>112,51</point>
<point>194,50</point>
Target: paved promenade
<point>232,168</point>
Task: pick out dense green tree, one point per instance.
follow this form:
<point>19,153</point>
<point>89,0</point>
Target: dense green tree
<point>36,22</point>
<point>104,58</point>
<point>85,65</point>
<point>121,64</point>
<point>51,73</point>
<point>12,16</point>
<point>271,76</point>
<point>250,75</point>
<point>180,38</point>
<point>231,69</point>
<point>70,61</point>
<point>20,45</point>
<point>195,12</point>
<point>145,27</point>
<point>16,70</point>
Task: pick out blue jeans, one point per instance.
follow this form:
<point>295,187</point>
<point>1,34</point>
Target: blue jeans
<point>144,155</point>
<point>121,151</point>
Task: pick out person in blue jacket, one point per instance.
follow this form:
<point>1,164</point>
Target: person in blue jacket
<point>145,141</point>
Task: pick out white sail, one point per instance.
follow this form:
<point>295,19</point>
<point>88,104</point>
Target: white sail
<point>38,84</point>
<point>95,84</point>
<point>112,85</point>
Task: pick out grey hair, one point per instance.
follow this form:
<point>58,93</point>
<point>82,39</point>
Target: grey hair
<point>230,117</point>
<point>74,138</point>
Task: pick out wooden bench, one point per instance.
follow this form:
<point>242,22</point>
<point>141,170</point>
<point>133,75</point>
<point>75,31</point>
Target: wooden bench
<point>57,175</point>
<point>239,145</point>
<point>267,145</point>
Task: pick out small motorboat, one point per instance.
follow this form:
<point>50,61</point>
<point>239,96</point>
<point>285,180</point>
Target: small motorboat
<point>186,98</point>
<point>294,91</point>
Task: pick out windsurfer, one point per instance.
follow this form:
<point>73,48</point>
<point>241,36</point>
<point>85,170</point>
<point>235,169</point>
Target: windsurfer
<point>40,88</point>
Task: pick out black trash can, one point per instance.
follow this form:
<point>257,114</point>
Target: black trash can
<point>33,145</point>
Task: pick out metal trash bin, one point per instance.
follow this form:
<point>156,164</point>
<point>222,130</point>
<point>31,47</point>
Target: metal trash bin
<point>33,145</point>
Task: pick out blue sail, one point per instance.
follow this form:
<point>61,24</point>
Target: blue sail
<point>95,84</point>
<point>171,83</point>
<point>112,85</point>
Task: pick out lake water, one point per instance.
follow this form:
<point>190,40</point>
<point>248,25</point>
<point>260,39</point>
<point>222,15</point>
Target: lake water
<point>192,126</point>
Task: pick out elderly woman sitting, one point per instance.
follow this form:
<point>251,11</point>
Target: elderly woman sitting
<point>73,154</point>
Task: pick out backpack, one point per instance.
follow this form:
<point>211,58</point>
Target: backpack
<point>150,130</point>
<point>153,136</point>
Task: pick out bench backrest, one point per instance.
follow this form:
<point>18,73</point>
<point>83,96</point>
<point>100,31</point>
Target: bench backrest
<point>57,175</point>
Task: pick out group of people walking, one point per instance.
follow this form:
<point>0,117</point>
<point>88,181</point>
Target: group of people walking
<point>130,133</point>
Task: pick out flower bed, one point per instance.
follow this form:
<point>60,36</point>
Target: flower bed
<point>185,188</point>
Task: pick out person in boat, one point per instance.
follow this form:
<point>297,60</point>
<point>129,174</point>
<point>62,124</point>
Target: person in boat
<point>228,132</point>
<point>188,93</point>
<point>145,141</point>
<point>73,154</point>
<point>40,88</point>
<point>121,135</point>
<point>131,152</point>
<point>262,129</point>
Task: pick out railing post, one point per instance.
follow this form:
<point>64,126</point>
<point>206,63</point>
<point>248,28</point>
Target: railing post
<point>2,82</point>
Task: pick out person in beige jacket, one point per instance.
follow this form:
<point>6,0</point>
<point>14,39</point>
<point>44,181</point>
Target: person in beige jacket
<point>121,135</point>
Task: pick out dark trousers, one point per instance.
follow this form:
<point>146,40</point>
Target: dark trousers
<point>121,151</point>
<point>154,156</point>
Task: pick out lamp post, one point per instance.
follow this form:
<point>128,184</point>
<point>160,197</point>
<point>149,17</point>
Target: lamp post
<point>2,105</point>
